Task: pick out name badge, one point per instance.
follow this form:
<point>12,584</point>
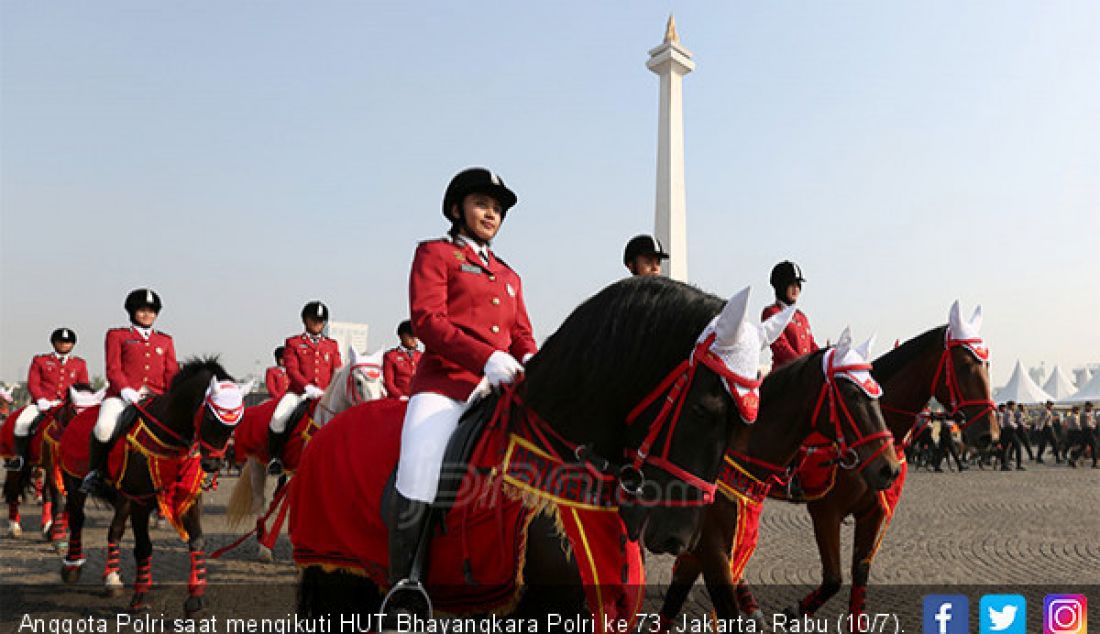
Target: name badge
<point>470,268</point>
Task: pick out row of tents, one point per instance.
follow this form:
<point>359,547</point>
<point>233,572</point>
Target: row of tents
<point>1058,388</point>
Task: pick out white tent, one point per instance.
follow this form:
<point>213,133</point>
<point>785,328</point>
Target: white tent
<point>1058,385</point>
<point>1021,389</point>
<point>1088,392</point>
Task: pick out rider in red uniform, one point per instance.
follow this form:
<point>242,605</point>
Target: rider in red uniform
<point>140,363</point>
<point>467,307</point>
<point>311,359</point>
<point>48,382</point>
<point>275,378</point>
<point>399,364</point>
<point>796,340</point>
<point>643,255</point>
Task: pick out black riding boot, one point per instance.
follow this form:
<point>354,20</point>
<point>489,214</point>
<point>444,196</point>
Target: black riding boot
<point>16,462</point>
<point>406,526</point>
<point>97,465</point>
<point>276,441</point>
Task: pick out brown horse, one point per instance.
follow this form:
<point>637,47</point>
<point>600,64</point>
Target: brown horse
<point>948,363</point>
<point>161,460</point>
<point>838,401</point>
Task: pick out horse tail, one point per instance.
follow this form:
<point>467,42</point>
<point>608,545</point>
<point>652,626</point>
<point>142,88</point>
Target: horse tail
<point>239,507</point>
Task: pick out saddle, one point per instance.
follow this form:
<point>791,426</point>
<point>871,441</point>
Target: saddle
<point>456,457</point>
<point>297,415</point>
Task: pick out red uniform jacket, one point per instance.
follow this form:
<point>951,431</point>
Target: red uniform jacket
<point>796,339</point>
<point>277,381</point>
<point>398,367</point>
<point>50,379</point>
<point>310,363</point>
<point>463,311</point>
<point>134,361</point>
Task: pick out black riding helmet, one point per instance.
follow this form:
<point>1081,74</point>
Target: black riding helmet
<point>405,328</point>
<point>784,274</point>
<point>142,298</point>
<point>315,309</point>
<point>279,352</point>
<point>63,335</point>
<point>477,180</point>
<point>643,245</point>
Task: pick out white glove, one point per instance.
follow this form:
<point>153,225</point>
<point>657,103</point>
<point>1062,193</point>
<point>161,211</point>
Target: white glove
<point>43,404</point>
<point>527,357</point>
<point>502,368</point>
<point>312,391</point>
<point>130,395</point>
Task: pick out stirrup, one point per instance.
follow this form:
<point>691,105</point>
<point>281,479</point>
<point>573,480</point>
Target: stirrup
<point>14,464</point>
<point>275,467</point>
<point>407,586</point>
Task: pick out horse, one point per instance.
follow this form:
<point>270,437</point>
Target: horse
<point>43,454</point>
<point>611,443</point>
<point>829,392</point>
<point>166,446</point>
<point>357,381</point>
<point>949,363</point>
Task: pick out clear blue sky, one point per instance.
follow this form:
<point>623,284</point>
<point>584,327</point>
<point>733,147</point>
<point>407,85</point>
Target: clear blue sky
<point>245,157</point>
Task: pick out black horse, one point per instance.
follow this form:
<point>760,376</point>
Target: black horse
<point>621,356</point>
<point>181,425</point>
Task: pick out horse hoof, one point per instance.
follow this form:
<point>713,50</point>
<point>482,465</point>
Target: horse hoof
<point>791,613</point>
<point>140,603</point>
<point>761,623</point>
<point>14,529</point>
<point>113,585</point>
<point>265,555</point>
<point>194,606</point>
<point>46,531</point>
<point>70,574</point>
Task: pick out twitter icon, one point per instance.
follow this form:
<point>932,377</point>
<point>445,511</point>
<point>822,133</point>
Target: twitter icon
<point>1003,614</point>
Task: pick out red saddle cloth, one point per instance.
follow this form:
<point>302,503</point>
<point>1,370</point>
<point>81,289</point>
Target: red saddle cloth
<point>250,437</point>
<point>175,472</point>
<point>477,560</point>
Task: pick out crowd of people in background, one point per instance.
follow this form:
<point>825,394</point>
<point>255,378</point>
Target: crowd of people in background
<point>1069,433</point>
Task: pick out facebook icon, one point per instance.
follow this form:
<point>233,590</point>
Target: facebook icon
<point>946,614</point>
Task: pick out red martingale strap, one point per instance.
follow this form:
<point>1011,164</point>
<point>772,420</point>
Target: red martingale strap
<point>161,427</point>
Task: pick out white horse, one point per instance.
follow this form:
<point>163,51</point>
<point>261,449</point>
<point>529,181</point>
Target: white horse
<point>357,381</point>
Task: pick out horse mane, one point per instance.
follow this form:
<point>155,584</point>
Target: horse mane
<point>615,347</point>
<point>888,365</point>
<point>779,381</point>
<point>195,366</point>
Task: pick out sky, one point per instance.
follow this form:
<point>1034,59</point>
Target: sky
<point>243,158</point>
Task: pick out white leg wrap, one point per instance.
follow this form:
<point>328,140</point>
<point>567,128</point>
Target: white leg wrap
<point>26,417</point>
<point>429,423</point>
<point>283,411</point>
<point>109,412</point>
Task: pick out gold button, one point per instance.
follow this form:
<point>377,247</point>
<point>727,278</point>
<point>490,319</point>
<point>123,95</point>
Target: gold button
<point>496,301</point>
<point>146,367</point>
<point>492,278</point>
<point>495,328</point>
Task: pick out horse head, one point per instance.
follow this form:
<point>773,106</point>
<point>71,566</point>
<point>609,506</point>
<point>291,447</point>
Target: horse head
<point>222,409</point>
<point>963,384</point>
<point>364,381</point>
<point>847,412</point>
<point>676,457</point>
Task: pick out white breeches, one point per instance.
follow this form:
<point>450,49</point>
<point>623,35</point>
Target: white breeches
<point>109,412</point>
<point>26,417</point>
<point>283,410</point>
<point>429,423</point>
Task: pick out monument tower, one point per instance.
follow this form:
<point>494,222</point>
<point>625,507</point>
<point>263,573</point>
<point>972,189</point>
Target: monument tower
<point>671,61</point>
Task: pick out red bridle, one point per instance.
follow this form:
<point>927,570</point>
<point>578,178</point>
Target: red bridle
<point>353,394</point>
<point>675,388</point>
<point>945,369</point>
<point>228,416</point>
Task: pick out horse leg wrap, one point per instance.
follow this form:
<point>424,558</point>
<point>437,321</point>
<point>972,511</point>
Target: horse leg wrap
<point>13,512</point>
<point>745,599</point>
<point>114,558</point>
<point>811,602</point>
<point>196,585</point>
<point>47,513</point>
<point>60,527</point>
<point>38,490</point>
<point>857,602</point>
<point>143,582</point>
<point>75,556</point>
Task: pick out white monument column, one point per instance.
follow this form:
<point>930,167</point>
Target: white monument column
<point>671,61</point>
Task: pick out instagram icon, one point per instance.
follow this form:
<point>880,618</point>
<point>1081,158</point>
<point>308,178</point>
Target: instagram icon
<point>1065,614</point>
